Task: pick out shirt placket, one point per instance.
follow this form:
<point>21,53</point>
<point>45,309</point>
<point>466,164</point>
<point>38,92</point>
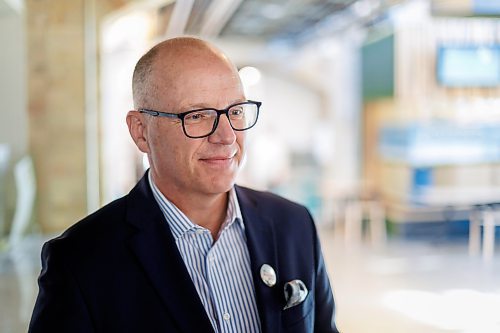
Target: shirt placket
<point>215,277</point>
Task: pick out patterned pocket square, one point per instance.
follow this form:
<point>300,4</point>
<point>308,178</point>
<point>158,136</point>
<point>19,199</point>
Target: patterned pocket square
<point>295,293</point>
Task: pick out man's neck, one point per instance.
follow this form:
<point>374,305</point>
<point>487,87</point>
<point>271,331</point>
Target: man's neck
<point>206,210</point>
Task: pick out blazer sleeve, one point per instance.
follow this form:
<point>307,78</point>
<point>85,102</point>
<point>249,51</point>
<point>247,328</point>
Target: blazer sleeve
<point>60,306</point>
<point>325,304</point>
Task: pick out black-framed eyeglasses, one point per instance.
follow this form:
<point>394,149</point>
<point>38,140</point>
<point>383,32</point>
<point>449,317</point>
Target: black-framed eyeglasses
<point>200,123</point>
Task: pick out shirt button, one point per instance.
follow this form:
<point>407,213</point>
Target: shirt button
<point>226,316</point>
<point>199,231</point>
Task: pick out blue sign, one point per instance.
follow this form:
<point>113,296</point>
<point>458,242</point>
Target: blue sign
<point>440,144</point>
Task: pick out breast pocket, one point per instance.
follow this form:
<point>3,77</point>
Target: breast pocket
<point>301,313</point>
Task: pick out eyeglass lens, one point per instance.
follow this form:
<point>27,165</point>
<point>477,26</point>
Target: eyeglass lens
<point>201,123</point>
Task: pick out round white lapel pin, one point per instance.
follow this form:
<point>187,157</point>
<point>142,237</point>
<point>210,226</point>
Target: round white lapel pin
<point>268,275</point>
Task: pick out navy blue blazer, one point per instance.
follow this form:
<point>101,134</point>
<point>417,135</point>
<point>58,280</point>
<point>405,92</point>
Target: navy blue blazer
<point>119,270</point>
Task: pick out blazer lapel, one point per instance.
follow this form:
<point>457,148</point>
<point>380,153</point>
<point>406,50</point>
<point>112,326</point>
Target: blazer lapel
<point>262,248</point>
<point>155,248</point>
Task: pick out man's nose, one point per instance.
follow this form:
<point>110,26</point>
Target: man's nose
<point>224,133</point>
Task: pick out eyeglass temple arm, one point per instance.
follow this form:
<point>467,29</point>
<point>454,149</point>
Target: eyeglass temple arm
<point>159,114</point>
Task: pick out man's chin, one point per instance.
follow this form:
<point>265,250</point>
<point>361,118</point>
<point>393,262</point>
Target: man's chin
<point>219,187</point>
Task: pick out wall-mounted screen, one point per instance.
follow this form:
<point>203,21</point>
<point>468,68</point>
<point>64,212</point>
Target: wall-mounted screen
<point>468,65</point>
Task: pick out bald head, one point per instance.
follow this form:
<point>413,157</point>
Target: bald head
<point>157,71</point>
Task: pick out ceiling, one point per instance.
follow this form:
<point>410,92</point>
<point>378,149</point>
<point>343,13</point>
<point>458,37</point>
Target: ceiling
<point>281,18</point>
<point>290,20</point>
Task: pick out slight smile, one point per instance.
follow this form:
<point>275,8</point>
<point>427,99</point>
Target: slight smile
<point>218,160</point>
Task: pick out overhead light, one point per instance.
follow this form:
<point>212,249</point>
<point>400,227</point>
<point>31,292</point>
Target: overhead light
<point>250,76</point>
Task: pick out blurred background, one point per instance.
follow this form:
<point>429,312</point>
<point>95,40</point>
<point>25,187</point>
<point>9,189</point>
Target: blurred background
<point>381,116</point>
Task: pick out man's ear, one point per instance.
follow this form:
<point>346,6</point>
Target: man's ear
<point>137,129</point>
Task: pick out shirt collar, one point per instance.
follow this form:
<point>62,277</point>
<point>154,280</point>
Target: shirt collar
<point>180,224</point>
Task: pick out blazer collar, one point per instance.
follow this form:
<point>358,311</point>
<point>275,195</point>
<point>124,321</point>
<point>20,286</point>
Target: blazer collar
<point>157,253</point>
<point>262,248</point>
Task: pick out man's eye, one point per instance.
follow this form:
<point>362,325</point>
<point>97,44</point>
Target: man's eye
<point>236,111</point>
<point>197,116</point>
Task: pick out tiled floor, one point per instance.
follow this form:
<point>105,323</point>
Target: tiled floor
<point>403,287</point>
<point>410,287</point>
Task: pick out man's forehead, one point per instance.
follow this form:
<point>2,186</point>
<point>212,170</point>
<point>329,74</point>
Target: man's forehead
<point>172,70</point>
<point>197,76</point>
<point>223,102</point>
<point>188,91</point>
<point>203,94</point>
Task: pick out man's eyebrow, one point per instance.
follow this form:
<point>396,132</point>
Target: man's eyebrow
<point>194,106</point>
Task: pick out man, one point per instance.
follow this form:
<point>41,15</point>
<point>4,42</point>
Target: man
<point>186,250</point>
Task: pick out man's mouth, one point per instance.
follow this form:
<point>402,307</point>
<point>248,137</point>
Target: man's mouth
<point>219,159</point>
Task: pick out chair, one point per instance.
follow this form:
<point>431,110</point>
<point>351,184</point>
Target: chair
<point>488,217</point>
<point>24,175</point>
<point>371,210</point>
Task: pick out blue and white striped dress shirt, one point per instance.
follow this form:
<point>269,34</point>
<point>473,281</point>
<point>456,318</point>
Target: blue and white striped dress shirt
<point>220,271</point>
